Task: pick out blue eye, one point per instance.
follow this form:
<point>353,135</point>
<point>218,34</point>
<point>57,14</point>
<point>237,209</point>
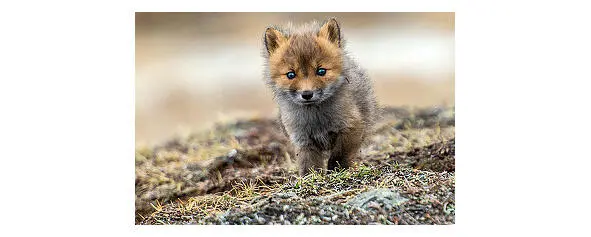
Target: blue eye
<point>321,72</point>
<point>291,75</point>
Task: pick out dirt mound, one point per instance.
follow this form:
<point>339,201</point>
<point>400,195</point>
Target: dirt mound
<point>344,197</point>
<point>243,173</point>
<point>209,162</point>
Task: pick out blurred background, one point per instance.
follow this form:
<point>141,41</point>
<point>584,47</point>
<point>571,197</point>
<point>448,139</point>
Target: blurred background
<point>196,69</point>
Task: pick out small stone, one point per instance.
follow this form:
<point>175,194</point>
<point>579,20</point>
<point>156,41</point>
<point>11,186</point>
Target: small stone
<point>233,153</point>
<point>285,195</point>
<point>373,204</point>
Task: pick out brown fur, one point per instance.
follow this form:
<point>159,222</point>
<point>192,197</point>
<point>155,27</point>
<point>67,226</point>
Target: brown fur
<point>303,54</point>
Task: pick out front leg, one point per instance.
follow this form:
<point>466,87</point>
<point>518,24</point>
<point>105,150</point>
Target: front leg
<point>347,146</point>
<point>310,158</point>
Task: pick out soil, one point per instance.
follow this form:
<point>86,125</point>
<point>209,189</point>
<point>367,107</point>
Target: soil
<point>244,173</point>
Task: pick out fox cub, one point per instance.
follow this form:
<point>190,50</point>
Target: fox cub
<point>326,101</point>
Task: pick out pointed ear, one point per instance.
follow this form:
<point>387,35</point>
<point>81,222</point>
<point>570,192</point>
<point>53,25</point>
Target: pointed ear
<point>331,31</point>
<point>273,39</point>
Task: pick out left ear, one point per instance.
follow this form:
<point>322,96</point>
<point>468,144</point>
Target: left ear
<point>331,31</point>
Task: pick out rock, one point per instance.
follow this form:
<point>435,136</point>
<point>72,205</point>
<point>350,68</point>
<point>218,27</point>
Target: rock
<point>232,153</point>
<point>285,195</point>
<point>384,196</point>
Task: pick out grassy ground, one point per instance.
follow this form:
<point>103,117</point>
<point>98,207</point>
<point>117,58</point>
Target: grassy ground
<point>244,173</point>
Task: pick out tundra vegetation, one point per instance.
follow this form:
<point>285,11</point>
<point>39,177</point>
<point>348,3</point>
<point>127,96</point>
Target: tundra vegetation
<point>244,173</point>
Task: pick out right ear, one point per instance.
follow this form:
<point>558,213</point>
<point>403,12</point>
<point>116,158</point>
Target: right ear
<point>273,39</point>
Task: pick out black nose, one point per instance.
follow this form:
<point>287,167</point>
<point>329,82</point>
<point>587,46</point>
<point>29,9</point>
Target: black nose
<point>307,95</point>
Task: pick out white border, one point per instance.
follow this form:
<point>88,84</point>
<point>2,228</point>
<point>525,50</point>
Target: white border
<point>66,97</point>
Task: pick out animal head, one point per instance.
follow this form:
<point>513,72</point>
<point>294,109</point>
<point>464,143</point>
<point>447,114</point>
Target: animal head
<point>304,63</point>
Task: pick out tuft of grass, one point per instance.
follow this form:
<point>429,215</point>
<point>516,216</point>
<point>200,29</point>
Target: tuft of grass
<point>158,207</point>
<point>333,182</point>
<point>239,196</point>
